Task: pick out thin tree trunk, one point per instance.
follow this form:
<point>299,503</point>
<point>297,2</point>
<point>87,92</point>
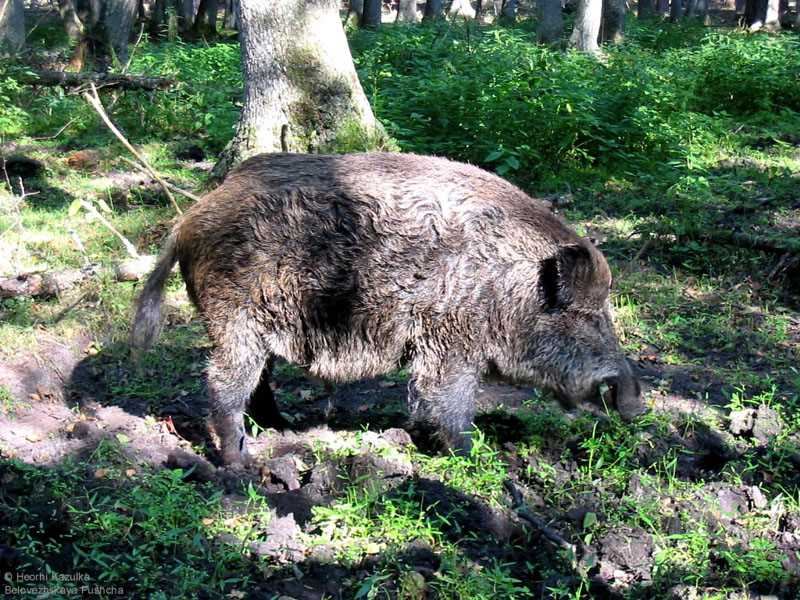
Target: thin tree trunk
<point>407,11</point>
<point>614,20</point>
<point>12,24</point>
<point>72,23</point>
<point>645,9</point>
<point>691,8</point>
<point>371,15</point>
<point>158,19</point>
<point>118,22</point>
<point>462,8</point>
<point>551,21</point>
<point>676,10</point>
<point>479,11</point>
<point>587,26</point>
<point>772,21</point>
<point>232,14</point>
<point>205,23</point>
<point>301,91</point>
<point>755,13</point>
<point>433,10</point>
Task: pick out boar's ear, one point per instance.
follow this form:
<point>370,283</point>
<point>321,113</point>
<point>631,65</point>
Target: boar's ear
<point>566,277</point>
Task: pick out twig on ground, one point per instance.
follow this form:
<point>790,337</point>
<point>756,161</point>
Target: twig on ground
<point>171,186</point>
<point>129,247</point>
<point>94,101</point>
<point>57,133</point>
<point>518,504</point>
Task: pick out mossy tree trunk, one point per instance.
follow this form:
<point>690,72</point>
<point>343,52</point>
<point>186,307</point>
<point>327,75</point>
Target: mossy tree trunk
<point>301,91</point>
<point>12,24</point>
<point>587,26</point>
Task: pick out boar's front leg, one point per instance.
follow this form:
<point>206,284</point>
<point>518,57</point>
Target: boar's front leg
<point>444,395</point>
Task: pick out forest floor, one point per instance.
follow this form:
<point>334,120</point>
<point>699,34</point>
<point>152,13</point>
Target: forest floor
<point>109,473</point>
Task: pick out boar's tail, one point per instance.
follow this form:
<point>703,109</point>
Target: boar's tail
<point>147,323</point>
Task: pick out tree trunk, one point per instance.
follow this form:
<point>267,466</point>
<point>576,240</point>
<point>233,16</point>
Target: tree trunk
<point>158,19</point>
<point>645,9</point>
<point>12,24</point>
<point>407,11</point>
<point>462,8</point>
<point>741,7</point>
<point>691,8</point>
<point>551,21</point>
<point>587,26</point>
<point>118,22</point>
<point>72,23</point>
<point>433,10</point>
<point>508,13</point>
<point>772,20</point>
<point>205,23</point>
<point>614,20</point>
<point>371,15</point>
<point>663,7</point>
<point>676,10</point>
<point>755,13</point>
<point>301,91</point>
<point>232,14</point>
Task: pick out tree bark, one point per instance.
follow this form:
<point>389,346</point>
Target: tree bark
<point>772,21</point>
<point>551,21</point>
<point>645,9</point>
<point>371,15</point>
<point>12,24</point>
<point>232,14</point>
<point>740,6</point>
<point>587,26</point>
<point>462,8</point>
<point>433,10</point>
<point>301,91</point>
<point>755,14</point>
<point>614,20</point>
<point>663,7</point>
<point>205,23</point>
<point>508,13</point>
<point>676,10</point>
<point>72,22</point>
<point>118,21</point>
<point>407,11</point>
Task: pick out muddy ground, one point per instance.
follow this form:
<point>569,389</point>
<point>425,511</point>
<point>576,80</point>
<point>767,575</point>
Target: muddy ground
<point>70,402</point>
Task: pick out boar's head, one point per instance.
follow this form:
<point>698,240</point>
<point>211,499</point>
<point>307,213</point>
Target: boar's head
<point>570,346</point>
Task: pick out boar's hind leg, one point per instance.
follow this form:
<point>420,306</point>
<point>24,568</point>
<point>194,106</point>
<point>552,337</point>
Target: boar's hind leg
<point>234,372</point>
<point>445,398</point>
<point>262,407</point>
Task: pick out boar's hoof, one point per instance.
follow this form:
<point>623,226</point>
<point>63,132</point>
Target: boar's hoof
<point>235,454</point>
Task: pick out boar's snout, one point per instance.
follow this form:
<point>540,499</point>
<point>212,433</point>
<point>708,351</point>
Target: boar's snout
<point>624,394</point>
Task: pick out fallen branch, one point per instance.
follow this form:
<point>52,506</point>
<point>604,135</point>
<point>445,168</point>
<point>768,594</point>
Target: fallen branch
<point>754,241</point>
<point>94,101</point>
<point>51,284</point>
<point>550,534</point>
<point>103,80</point>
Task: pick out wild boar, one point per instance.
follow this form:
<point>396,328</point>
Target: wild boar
<point>354,265</point>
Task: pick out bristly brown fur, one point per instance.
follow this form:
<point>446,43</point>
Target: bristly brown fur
<point>353,265</point>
